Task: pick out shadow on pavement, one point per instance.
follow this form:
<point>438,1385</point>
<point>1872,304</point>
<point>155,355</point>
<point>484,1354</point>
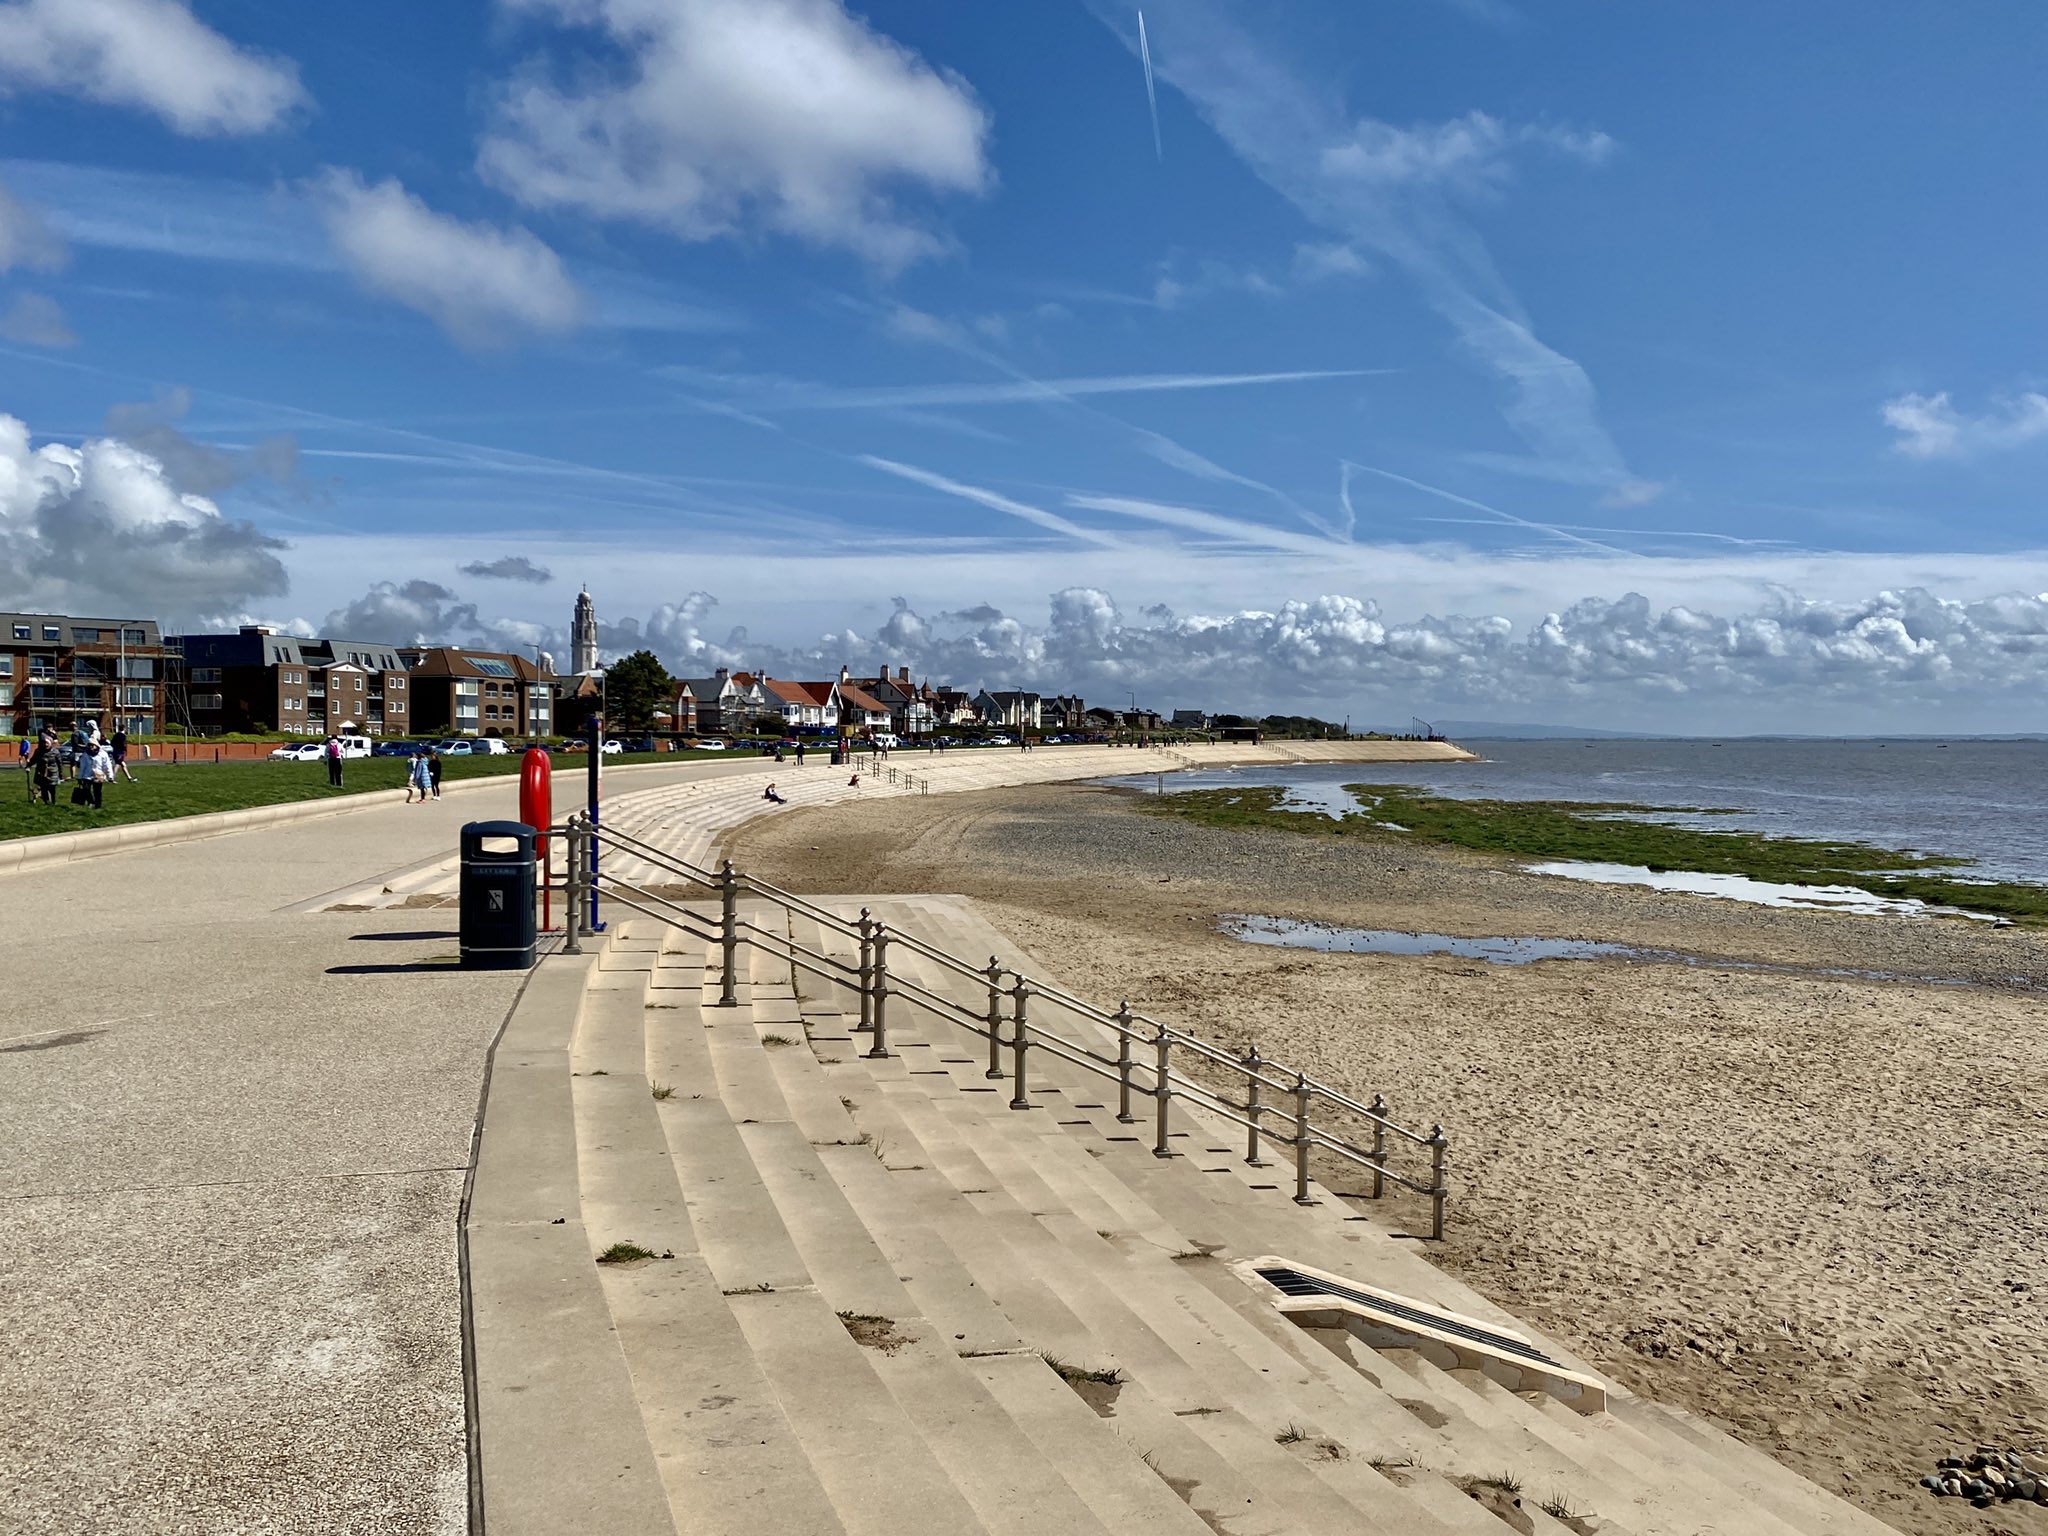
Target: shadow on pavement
<point>417,933</point>
<point>450,967</point>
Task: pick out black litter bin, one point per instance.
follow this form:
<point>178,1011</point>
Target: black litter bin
<point>837,760</point>
<point>497,924</point>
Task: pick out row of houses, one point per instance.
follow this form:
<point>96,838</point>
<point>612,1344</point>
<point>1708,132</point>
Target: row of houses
<point>126,673</point>
<point>729,701</point>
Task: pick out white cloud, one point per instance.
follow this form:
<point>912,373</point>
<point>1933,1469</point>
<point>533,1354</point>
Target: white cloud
<point>769,393</point>
<point>1929,427</point>
<point>37,320</point>
<point>25,240</point>
<point>480,283</point>
<point>1470,153</point>
<point>152,54</point>
<point>1315,261</point>
<point>735,115</point>
<point>102,526</point>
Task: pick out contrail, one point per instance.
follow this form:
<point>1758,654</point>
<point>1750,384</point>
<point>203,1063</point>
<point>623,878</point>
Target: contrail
<point>1151,95</point>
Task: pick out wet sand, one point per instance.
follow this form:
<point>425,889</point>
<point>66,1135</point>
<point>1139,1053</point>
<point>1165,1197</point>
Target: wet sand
<point>1814,1208</point>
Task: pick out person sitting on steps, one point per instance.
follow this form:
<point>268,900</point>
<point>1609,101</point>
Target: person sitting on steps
<point>769,794</point>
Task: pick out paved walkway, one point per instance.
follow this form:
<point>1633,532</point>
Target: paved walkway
<point>234,1134</point>
<point>231,1153</point>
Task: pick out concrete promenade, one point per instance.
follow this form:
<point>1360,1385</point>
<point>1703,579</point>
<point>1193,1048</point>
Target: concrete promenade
<point>235,1134</point>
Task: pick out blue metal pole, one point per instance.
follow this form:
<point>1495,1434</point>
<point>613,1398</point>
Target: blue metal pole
<point>595,769</point>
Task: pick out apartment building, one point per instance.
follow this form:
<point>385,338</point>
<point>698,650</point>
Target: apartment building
<point>479,693</point>
<point>259,680</point>
<point>56,670</point>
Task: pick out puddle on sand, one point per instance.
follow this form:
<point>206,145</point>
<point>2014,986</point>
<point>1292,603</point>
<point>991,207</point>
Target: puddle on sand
<point>1762,893</point>
<point>1330,938</point>
<point>1292,933</point>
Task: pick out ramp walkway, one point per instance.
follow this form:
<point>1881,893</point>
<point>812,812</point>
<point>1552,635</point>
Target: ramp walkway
<point>875,1297</point>
<point>689,815</point>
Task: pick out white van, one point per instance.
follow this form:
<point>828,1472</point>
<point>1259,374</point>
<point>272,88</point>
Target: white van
<point>355,746</point>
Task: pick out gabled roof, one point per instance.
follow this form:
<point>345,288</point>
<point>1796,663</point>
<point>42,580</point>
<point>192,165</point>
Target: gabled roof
<point>798,693</point>
<point>454,661</point>
<point>853,697</point>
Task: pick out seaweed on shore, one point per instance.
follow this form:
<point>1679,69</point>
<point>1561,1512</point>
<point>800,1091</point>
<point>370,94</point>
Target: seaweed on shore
<point>1603,833</point>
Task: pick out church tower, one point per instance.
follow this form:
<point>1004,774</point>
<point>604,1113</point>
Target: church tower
<point>583,636</point>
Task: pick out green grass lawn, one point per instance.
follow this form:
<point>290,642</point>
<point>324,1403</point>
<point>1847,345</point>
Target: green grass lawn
<point>161,791</point>
<point>1537,829</point>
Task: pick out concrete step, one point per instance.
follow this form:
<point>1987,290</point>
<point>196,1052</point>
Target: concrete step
<point>1061,1269</point>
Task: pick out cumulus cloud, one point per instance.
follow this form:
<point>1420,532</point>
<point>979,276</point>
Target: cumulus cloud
<point>480,283</point>
<point>104,527</point>
<point>1622,657</point>
<point>151,54</point>
<point>194,466</point>
<point>510,568</point>
<point>1930,427</point>
<point>25,240</point>
<point>404,613</point>
<point>37,320</point>
<point>727,116</point>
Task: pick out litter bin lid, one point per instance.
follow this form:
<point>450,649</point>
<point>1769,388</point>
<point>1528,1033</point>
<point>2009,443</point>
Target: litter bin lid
<point>474,834</point>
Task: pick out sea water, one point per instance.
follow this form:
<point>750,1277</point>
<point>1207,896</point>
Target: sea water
<point>1986,801</point>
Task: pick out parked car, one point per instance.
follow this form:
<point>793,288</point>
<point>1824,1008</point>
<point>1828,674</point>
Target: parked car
<point>611,749</point>
<point>299,752</point>
<point>886,741</point>
<point>708,744</point>
<point>393,749</point>
<point>489,746</point>
<point>357,746</point>
<point>1001,741</point>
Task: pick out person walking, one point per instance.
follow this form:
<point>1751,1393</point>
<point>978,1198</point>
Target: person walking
<point>332,752</point>
<point>799,754</point>
<point>95,768</point>
<point>434,771</point>
<point>118,747</point>
<point>45,767</point>
<point>418,779</point>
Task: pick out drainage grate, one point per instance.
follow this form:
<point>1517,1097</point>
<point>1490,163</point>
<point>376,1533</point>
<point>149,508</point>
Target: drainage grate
<point>1292,1282</point>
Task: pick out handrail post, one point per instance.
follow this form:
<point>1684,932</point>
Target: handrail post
<point>1123,1064</point>
<point>879,987</point>
<point>1162,1091</point>
<point>1301,1141</point>
<point>1020,1043</point>
<point>1379,1145</point>
<point>1438,1143</point>
<point>995,1020</point>
<point>728,935</point>
<point>867,972</point>
<point>1252,1108</point>
<point>572,906</point>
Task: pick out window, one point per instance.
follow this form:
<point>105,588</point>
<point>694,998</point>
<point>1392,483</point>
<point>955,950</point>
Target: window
<point>359,685</point>
<point>142,697</point>
<point>206,701</point>
<point>206,674</point>
<point>53,633</point>
<point>6,695</point>
<point>394,683</point>
<point>491,668</point>
<point>139,667</point>
<point>6,666</point>
<point>135,637</point>
<point>21,631</point>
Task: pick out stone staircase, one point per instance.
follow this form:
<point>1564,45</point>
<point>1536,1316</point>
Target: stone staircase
<point>884,1301</point>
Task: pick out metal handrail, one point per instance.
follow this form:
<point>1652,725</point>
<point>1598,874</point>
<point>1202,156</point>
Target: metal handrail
<point>1156,1079</point>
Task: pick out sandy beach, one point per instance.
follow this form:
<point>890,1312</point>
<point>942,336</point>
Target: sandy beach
<point>1814,1207</point>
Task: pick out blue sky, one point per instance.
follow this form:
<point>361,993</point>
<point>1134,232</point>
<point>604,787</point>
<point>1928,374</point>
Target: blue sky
<point>1422,335</point>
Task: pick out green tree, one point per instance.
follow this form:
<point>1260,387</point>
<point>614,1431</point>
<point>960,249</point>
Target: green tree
<point>634,688</point>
